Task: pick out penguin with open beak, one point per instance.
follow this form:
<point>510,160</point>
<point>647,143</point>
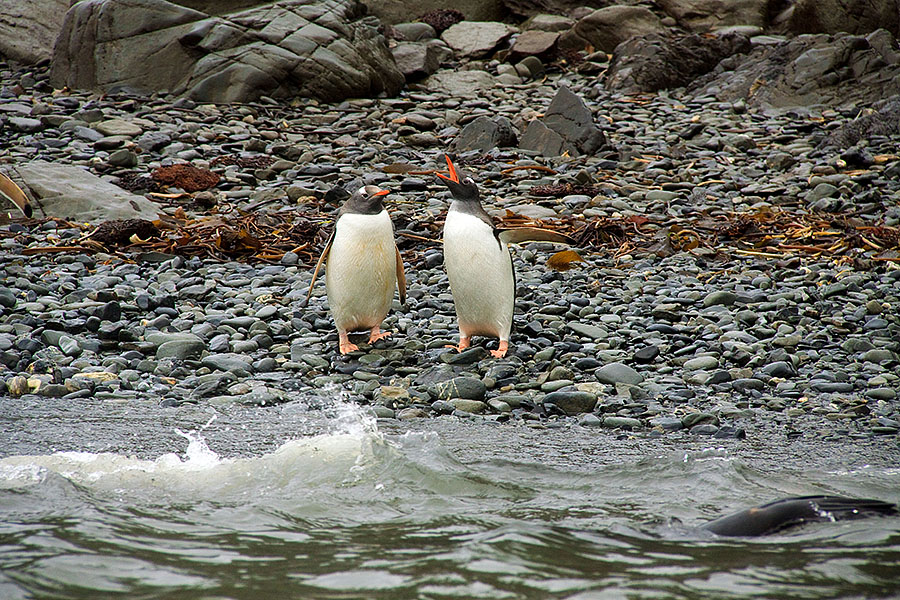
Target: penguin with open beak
<point>363,267</point>
<point>478,263</point>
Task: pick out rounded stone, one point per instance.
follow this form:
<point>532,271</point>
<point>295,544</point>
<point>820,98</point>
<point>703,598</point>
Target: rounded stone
<point>616,372</point>
<point>622,423</point>
<point>476,407</point>
<point>468,388</point>
<point>180,349</point>
<point>572,402</point>
<point>701,363</point>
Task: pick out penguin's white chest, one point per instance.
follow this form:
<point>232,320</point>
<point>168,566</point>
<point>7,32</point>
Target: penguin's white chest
<point>361,271</point>
<point>481,276</point>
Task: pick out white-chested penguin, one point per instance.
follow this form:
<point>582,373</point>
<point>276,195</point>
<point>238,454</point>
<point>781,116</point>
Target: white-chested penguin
<point>480,269</point>
<point>362,267</point>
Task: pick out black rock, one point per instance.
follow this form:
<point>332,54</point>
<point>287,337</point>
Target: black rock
<point>646,354</point>
<point>484,133</point>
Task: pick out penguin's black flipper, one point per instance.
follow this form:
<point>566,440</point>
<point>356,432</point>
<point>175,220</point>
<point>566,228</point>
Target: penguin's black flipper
<point>319,264</point>
<point>790,512</point>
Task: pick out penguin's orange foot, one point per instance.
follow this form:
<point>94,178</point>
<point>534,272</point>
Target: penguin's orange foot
<point>345,345</point>
<point>500,352</point>
<point>377,334</point>
<point>463,344</point>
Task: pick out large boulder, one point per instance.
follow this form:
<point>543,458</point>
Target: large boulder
<point>106,44</point>
<point>28,28</point>
<point>661,61</point>
<point>475,39</point>
<point>72,192</point>
<point>833,16</point>
<point>416,60</point>
<point>826,69</point>
<point>567,126</point>
<point>324,49</point>
<point>608,27</point>
<point>708,15</point>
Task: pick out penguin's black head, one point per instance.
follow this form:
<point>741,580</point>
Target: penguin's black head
<point>464,189</point>
<point>366,201</point>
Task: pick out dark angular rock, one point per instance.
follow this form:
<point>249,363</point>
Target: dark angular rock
<point>567,126</point>
<point>779,369</point>
<point>646,354</point>
<point>485,133</point>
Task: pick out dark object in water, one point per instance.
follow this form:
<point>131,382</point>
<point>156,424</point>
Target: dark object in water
<point>791,512</point>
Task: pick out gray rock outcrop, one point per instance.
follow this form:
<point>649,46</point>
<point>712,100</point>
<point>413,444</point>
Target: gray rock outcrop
<point>28,28</point>
<point>810,69</point>
<point>71,192</point>
<point>884,122</point>
<point>657,61</point>
<point>324,49</point>
<point>708,15</point>
<point>834,16</point>
<point>606,28</point>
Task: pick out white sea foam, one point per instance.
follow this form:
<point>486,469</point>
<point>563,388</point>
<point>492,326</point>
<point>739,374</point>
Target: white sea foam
<point>335,456</point>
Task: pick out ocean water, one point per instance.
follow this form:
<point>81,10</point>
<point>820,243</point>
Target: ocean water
<point>318,500</point>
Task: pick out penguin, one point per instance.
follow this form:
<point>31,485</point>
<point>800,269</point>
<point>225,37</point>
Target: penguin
<point>791,512</point>
<point>13,193</point>
<point>479,266</point>
<point>363,267</point>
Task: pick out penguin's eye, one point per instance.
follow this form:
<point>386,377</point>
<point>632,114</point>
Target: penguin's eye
<point>363,191</point>
<point>468,181</point>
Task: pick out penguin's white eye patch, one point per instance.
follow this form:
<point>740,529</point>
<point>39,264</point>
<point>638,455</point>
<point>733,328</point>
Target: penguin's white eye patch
<point>468,181</point>
<point>362,191</point>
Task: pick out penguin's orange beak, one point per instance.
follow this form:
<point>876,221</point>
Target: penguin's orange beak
<point>453,176</point>
<point>382,193</point>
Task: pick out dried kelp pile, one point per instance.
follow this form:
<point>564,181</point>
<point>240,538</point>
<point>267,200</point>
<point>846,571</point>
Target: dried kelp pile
<point>227,235</point>
<point>766,233</point>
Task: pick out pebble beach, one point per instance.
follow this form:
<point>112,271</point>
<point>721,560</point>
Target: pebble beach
<point>700,341</point>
